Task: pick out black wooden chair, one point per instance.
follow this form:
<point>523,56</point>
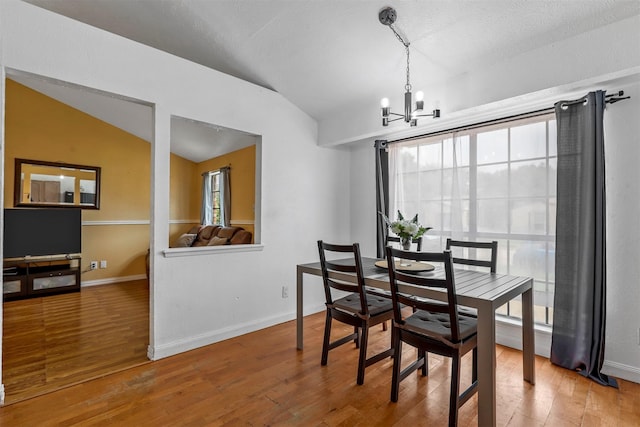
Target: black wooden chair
<point>358,309</point>
<point>434,327</point>
<point>490,263</point>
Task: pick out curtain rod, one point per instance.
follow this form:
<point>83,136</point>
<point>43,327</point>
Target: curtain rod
<point>609,99</point>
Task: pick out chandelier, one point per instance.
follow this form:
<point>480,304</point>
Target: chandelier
<point>387,16</point>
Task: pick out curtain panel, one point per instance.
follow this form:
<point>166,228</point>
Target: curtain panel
<point>225,196</point>
<point>206,207</point>
<point>382,195</point>
<point>580,271</point>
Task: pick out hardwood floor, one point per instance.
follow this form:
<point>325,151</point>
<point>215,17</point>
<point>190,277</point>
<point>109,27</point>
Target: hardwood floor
<point>261,379</point>
<point>60,340</point>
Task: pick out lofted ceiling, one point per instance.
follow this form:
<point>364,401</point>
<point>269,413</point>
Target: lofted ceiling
<point>327,55</point>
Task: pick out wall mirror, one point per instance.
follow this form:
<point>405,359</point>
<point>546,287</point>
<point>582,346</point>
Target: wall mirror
<point>50,184</point>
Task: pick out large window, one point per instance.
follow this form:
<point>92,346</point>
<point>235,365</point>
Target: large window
<point>490,183</point>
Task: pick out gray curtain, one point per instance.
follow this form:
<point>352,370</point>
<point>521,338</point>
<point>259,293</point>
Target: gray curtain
<point>580,288</point>
<point>206,207</point>
<point>225,195</point>
<point>382,194</point>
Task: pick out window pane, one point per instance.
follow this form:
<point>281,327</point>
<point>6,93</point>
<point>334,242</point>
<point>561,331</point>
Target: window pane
<point>458,187</point>
<point>455,216</point>
<point>493,216</point>
<point>528,259</point>
<point>431,185</point>
<point>493,147</point>
<point>409,185</point>
<point>529,141</point>
<point>553,141</point>
<point>461,150</point>
<point>553,176</point>
<point>529,179</point>
<point>430,214</point>
<point>430,156</point>
<point>409,159</point>
<point>492,181</point>
<point>528,216</point>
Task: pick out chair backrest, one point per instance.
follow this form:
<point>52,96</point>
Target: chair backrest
<point>351,265</point>
<point>404,283</point>
<point>418,241</point>
<point>490,263</point>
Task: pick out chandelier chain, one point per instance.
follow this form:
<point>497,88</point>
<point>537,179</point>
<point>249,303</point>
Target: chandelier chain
<point>406,44</point>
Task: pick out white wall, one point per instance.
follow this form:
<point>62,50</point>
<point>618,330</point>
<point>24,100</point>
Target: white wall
<point>622,156</point>
<point>616,53</point>
<point>200,299</point>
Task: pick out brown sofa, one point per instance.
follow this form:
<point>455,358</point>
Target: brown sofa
<point>213,235</point>
<point>210,235</point>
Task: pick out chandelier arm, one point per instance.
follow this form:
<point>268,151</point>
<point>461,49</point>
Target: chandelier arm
<point>397,118</point>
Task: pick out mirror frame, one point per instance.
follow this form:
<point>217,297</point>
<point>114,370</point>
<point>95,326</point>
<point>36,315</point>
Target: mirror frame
<point>17,192</point>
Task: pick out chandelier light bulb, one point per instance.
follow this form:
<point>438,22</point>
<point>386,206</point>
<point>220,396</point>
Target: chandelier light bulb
<point>419,95</point>
<point>384,102</point>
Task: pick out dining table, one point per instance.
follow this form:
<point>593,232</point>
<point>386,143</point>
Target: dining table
<point>484,291</point>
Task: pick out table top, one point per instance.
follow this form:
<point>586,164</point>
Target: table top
<point>473,288</point>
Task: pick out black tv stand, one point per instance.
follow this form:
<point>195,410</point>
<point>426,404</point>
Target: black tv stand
<point>29,277</point>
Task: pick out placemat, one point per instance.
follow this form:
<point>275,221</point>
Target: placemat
<point>406,265</point>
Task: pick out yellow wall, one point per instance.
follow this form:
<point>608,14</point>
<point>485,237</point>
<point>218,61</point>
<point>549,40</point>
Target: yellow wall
<point>184,196</point>
<point>243,183</point>
<point>40,128</point>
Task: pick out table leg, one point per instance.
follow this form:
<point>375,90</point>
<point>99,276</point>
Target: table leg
<point>528,338</point>
<point>299,313</point>
<point>486,366</point>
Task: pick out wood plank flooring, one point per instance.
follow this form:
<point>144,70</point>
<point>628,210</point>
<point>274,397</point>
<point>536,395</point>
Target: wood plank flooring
<point>59,340</point>
<point>261,379</point>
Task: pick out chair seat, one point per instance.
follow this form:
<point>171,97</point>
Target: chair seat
<point>351,303</point>
<point>437,325</point>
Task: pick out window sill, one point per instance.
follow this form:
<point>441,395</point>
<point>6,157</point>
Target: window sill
<point>204,250</point>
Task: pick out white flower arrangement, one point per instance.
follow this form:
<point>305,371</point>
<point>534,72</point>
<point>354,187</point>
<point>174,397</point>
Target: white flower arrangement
<point>406,229</point>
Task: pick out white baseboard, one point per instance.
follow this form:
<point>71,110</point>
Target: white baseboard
<point>190,343</point>
<point>620,370</point>
<point>110,280</point>
<point>1,394</point>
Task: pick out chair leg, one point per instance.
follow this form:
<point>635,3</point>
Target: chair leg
<point>425,366</point>
<point>384,325</point>
<point>325,341</point>
<point>454,399</point>
<point>397,364</point>
<point>356,331</point>
<point>474,366</point>
<point>364,338</point>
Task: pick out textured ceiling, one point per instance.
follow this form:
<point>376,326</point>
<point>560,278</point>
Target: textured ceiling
<point>327,54</point>
<point>324,56</point>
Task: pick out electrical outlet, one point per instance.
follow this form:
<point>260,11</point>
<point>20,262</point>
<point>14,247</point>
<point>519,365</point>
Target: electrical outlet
<point>103,263</point>
<point>93,265</point>
<point>285,292</point>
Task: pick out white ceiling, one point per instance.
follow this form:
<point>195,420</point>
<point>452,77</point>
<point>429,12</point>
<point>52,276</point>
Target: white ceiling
<point>325,55</point>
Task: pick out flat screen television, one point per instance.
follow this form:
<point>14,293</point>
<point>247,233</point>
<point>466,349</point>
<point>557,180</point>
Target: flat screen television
<point>39,232</point>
